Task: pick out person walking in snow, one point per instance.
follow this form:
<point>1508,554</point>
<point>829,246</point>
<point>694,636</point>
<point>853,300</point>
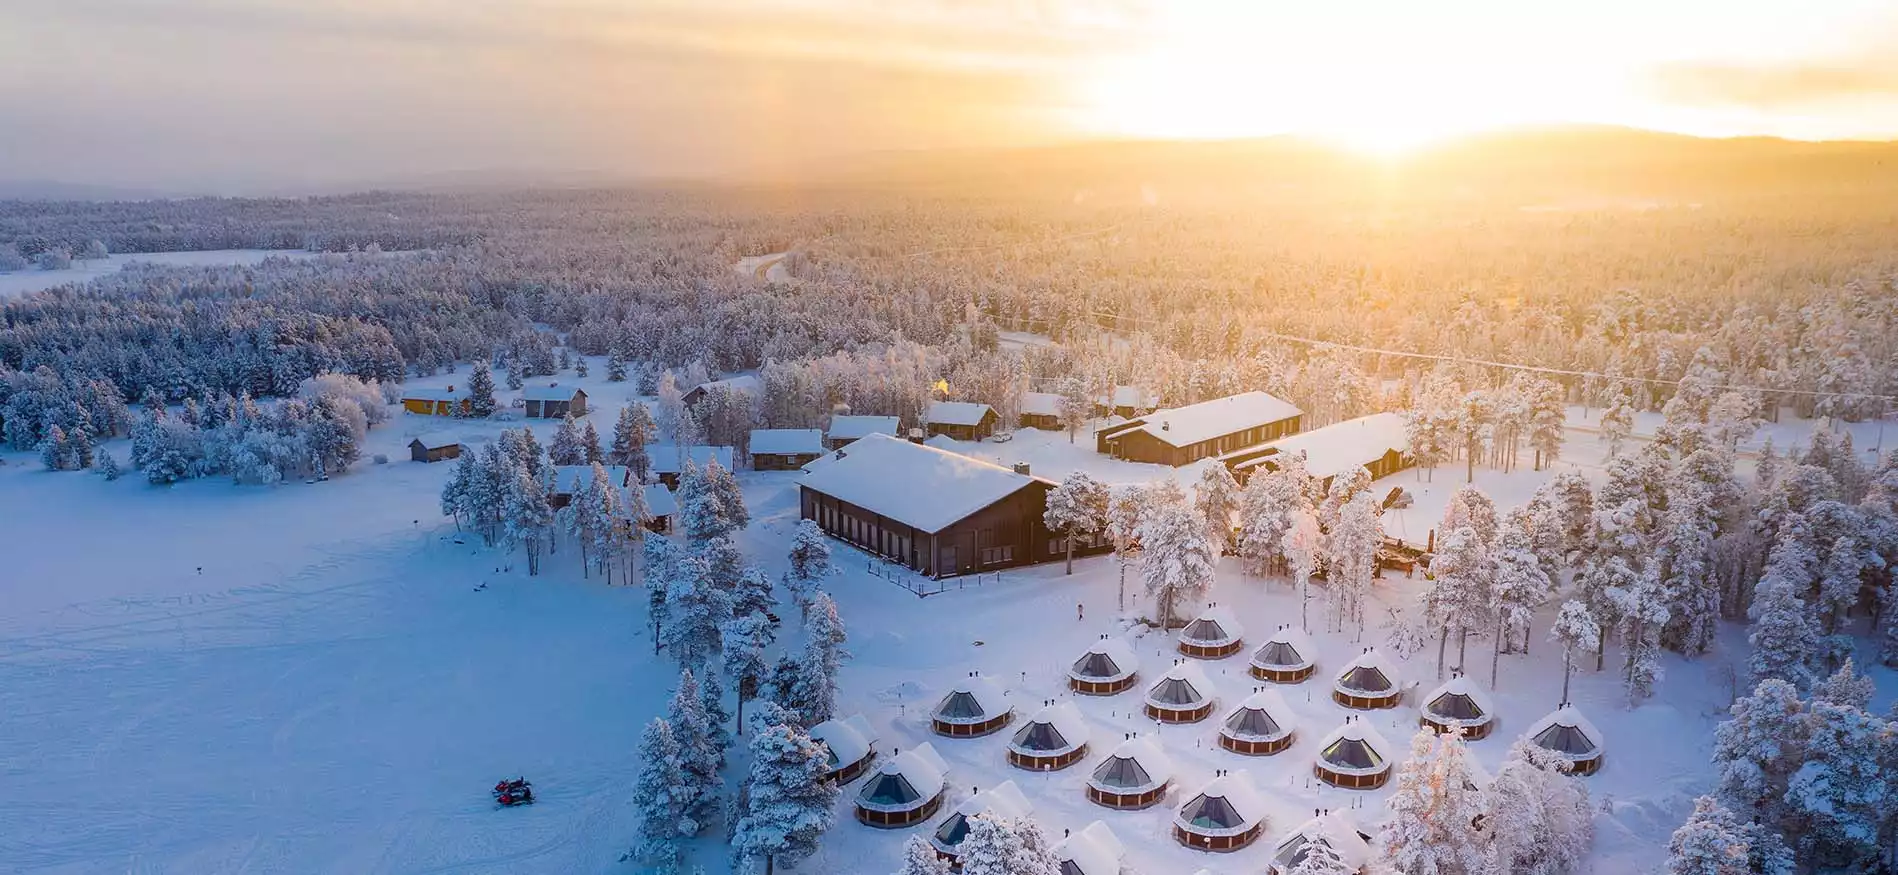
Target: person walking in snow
<point>1079,612</point>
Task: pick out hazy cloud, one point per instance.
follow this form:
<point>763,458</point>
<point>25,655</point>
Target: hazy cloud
<point>1866,74</point>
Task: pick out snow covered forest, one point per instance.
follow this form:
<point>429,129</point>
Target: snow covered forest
<point>1645,490</point>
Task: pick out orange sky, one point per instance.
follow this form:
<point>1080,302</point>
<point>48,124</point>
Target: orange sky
<point>239,94</point>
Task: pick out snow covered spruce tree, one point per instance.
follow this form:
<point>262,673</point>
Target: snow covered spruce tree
<point>1076,508</point>
<point>1715,842</point>
<point>1840,799</point>
<point>696,609</point>
<point>481,392</point>
<point>1303,548</point>
<point>787,799</point>
<point>1006,846</point>
<point>590,442</point>
<point>1458,599</point>
<point>568,447</point>
<point>814,692</point>
<point>1126,509</point>
<point>745,639</point>
<point>529,518</point>
<point>1432,810</point>
<point>1216,499</point>
<point>1521,586</point>
<point>1351,560</point>
<point>1784,636</point>
<point>920,858</point>
<point>1178,559</point>
<point>1643,612</point>
<point>1265,513</point>
<point>631,433</point>
<point>700,756</point>
<point>1536,816</point>
<point>1757,751</point>
<point>661,796</point>
<point>1576,630</point>
<point>724,490</point>
<point>810,562</point>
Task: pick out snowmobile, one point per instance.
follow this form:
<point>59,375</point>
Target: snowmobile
<point>514,791</point>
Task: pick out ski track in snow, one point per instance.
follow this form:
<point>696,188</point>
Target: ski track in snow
<point>330,695</point>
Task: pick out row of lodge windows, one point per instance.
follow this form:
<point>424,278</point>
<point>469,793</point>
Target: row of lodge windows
<point>1224,444</point>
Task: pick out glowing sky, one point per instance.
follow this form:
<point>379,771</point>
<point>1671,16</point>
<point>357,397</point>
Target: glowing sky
<point>250,94</point>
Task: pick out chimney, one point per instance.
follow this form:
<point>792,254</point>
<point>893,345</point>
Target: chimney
<point>1165,425</point>
<point>915,435</point>
<point>451,387</point>
<point>1021,468</point>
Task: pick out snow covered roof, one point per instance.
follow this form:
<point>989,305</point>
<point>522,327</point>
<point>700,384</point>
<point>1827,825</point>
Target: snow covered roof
<point>1217,627</point>
<point>906,781</point>
<point>1183,686</point>
<point>944,443</point>
<point>1227,805</point>
<point>1459,702</point>
<point>1183,426</point>
<point>787,441</point>
<point>1130,396</point>
<point>1335,829</point>
<point>1355,748</point>
<point>574,479</point>
<point>922,487</point>
<point>1095,850</point>
<point>553,392</point>
<point>1139,764</point>
<point>1106,660</point>
<point>1004,800</point>
<point>424,393</point>
<point>957,413</point>
<point>741,383</point>
<point>854,427</point>
<point>1054,730</point>
<point>849,739</point>
<point>1288,648</point>
<point>973,699</point>
<point>665,457</point>
<point>659,500</point>
<point>1369,673</point>
<point>1262,716</point>
<point>1041,404</point>
<point>1339,447</point>
<point>1567,732</point>
<point>436,440</point>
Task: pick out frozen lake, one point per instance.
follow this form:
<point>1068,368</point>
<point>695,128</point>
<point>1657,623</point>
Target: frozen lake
<point>33,279</point>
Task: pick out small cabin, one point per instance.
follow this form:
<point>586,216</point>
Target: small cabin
<point>448,401</point>
<point>553,401</point>
<point>1459,704</point>
<point>1353,757</point>
<point>1568,733</point>
<point>1108,668</point>
<point>785,449</point>
<point>1002,800</point>
<point>1182,695</point>
<point>975,706</point>
<point>1367,683</point>
<point>435,448</point>
<point>1215,634</point>
<point>1261,726</point>
<point>962,420</point>
<point>661,506</point>
<point>571,480</point>
<point>1224,816</point>
<point>668,460</point>
<point>1285,658</point>
<point>1041,410</point>
<point>1095,850</point>
<point>846,428</point>
<point>850,744</point>
<point>1127,402</point>
<point>905,789</point>
<point>1134,776</point>
<point>747,385</point>
<point>1053,739</point>
<point>1332,830</point>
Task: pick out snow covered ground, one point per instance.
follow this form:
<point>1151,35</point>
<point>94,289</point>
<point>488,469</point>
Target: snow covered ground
<point>210,678</point>
<point>768,267</point>
<point>33,279</point>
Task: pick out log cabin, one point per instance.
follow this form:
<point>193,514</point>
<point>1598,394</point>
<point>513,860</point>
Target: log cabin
<point>553,401</point>
<point>434,448</point>
<point>447,401</point>
<point>1184,435</point>
<point>785,449</point>
<point>845,428</point>
<point>1041,410</point>
<point>744,384</point>
<point>666,460</point>
<point>962,420</point>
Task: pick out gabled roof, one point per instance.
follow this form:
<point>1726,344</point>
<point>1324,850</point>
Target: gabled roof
<point>1355,748</point>
<point>555,392</point>
<point>1055,729</point>
<point>787,441</point>
<point>1262,716</point>
<point>1216,627</point>
<point>1227,805</point>
<point>1288,648</point>
<point>848,739</point>
<point>906,781</point>
<point>1567,732</point>
<point>1335,829</point>
<point>660,502</point>
<point>1041,404</point>
<point>1339,447</point>
<point>1367,674</point>
<point>922,487</point>
<point>436,440</point>
<point>1183,686</point>
<point>1106,660</point>
<point>1130,396</point>
<point>1095,850</point>
<point>665,457</point>
<point>974,699</point>
<point>742,383</point>
<point>574,479</point>
<point>845,427</point>
<point>1139,764</point>
<point>1459,701</point>
<point>1183,426</point>
<point>424,393</point>
<point>957,413</point>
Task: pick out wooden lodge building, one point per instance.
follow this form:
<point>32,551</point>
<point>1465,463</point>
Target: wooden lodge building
<point>785,449</point>
<point>1127,402</point>
<point>553,401</point>
<point>1380,443</point>
<point>434,448</point>
<point>436,402</point>
<point>962,420</point>
<point>667,459</point>
<point>1184,435</point>
<point>1041,410</point>
<point>846,428</point>
<point>939,513</point>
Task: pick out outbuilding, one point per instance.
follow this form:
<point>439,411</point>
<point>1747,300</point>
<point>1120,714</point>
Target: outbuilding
<point>905,789</point>
<point>962,420</point>
<point>553,401</point>
<point>1225,815</point>
<point>975,706</point>
<point>1182,695</point>
<point>1053,739</point>
<point>744,384</point>
<point>448,401</point>
<point>668,460</point>
<point>436,447</point>
<point>846,429</point>
<point>1134,776</point>
<point>661,506</point>
<point>850,744</point>
<point>1184,435</point>
<point>571,480</point>
<point>1109,667</point>
<point>785,449</point>
<point>1127,402</point>
<point>1041,410</point>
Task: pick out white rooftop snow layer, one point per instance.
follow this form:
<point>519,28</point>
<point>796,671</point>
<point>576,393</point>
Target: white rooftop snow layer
<point>1228,623</point>
<point>1116,649</point>
<point>921,766</point>
<point>424,393</point>
<point>1462,684</point>
<point>1568,716</point>
<point>1183,426</point>
<point>988,694</point>
<point>554,392</point>
<point>922,487</point>
<point>665,457</point>
<point>436,440</point>
<point>1368,659</point>
<point>1337,448</point>
<point>1237,789</point>
<point>846,427</point>
<point>741,383</point>
<point>1067,721</point>
<point>1145,750</point>
<point>1274,706</point>
<point>1130,396</point>
<point>1357,730</point>
<point>1293,636</point>
<point>574,479</point>
<point>1095,850</point>
<point>956,413</point>
<point>786,441</point>
<point>1005,799</point>
<point>659,500</point>
<point>849,739</point>
<point>1339,833</point>
<point>1041,404</point>
<point>1186,670</point>
<point>945,443</point>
